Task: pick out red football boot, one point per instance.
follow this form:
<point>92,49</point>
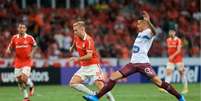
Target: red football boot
<point>31,91</point>
<point>26,99</point>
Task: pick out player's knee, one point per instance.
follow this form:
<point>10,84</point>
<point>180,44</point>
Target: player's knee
<point>181,72</point>
<point>113,77</point>
<point>116,75</point>
<point>73,85</point>
<point>24,78</point>
<point>168,72</point>
<point>19,79</point>
<point>99,84</point>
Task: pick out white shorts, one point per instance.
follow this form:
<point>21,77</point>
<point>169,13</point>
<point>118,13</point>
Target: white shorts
<point>179,66</point>
<point>92,72</point>
<point>25,70</point>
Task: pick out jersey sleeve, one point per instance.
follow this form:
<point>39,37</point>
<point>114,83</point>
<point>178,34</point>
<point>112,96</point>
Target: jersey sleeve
<point>147,34</point>
<point>89,45</point>
<point>33,41</point>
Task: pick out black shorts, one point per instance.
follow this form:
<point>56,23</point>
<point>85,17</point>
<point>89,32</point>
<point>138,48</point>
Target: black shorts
<point>144,68</point>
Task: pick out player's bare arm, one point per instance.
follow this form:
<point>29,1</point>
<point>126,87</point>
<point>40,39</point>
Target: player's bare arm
<point>9,48</point>
<point>147,18</point>
<point>85,57</point>
<point>177,52</point>
<point>33,50</point>
<point>72,47</point>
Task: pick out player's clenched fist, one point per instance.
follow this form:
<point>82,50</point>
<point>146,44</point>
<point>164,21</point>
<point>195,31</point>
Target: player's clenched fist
<point>146,16</point>
<point>73,59</point>
<point>7,51</point>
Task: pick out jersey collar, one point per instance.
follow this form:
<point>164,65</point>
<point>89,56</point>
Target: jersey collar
<point>25,35</point>
<point>174,38</point>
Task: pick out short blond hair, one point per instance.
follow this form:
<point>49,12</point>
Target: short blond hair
<point>79,23</point>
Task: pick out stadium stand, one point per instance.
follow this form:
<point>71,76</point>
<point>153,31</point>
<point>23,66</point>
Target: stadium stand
<point>111,23</point>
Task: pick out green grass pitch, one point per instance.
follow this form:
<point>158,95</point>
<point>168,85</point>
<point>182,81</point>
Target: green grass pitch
<point>122,92</point>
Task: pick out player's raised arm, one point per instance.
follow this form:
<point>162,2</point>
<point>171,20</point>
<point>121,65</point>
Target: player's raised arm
<point>147,18</point>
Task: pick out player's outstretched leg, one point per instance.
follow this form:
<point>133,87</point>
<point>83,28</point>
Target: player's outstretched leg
<point>107,87</point>
<point>31,87</point>
<point>100,85</point>
<point>76,83</point>
<point>169,71</point>
<point>183,78</point>
<point>20,83</point>
<point>185,83</point>
<point>24,79</point>
<point>167,87</point>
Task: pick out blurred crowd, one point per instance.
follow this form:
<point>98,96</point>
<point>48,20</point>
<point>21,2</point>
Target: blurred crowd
<point>111,23</point>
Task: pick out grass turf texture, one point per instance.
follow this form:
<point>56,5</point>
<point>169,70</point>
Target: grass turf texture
<point>122,92</point>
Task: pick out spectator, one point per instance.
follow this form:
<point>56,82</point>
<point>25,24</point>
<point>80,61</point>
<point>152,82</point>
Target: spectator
<point>112,24</point>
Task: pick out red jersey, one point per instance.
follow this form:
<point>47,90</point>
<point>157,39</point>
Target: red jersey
<point>84,46</point>
<point>23,48</point>
<point>172,45</point>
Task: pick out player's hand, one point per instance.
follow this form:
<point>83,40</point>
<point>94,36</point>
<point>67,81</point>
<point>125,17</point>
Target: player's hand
<point>171,57</point>
<point>73,59</point>
<point>146,16</point>
<point>7,51</point>
<point>31,55</point>
<point>70,49</point>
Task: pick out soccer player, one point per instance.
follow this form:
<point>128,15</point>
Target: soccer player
<point>24,46</point>
<point>88,60</point>
<point>139,62</point>
<point>174,45</point>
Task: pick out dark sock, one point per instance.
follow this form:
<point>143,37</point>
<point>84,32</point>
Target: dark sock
<point>108,86</point>
<point>170,89</point>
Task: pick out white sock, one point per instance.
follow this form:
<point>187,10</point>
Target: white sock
<point>82,88</point>
<point>25,93</point>
<point>184,81</point>
<point>29,82</point>
<point>110,96</point>
<point>20,86</point>
<point>168,78</point>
